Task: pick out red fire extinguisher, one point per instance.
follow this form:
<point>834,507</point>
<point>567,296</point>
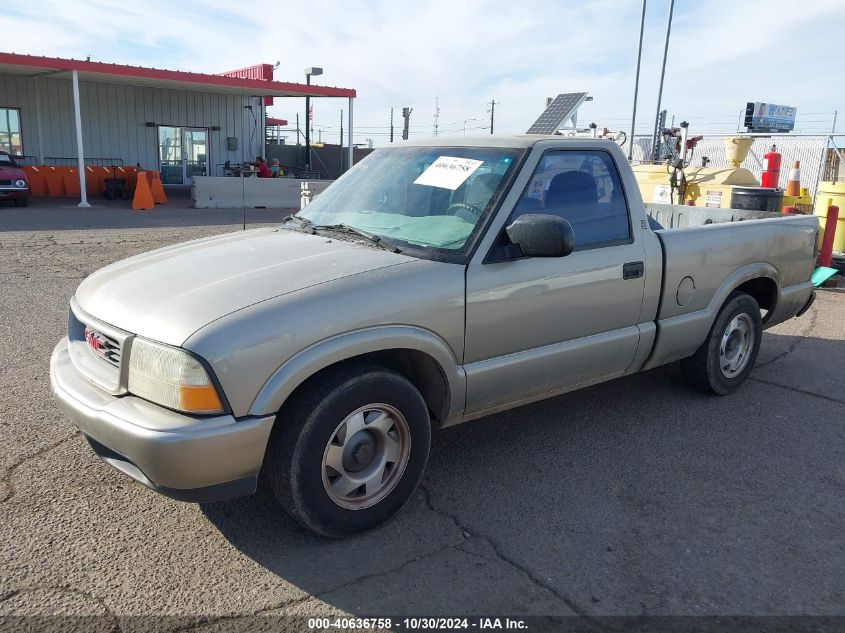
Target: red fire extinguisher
<point>771,169</point>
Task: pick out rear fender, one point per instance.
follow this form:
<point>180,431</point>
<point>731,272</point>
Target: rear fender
<point>680,336</point>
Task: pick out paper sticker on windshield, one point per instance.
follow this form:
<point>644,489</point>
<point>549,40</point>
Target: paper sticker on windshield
<point>448,172</point>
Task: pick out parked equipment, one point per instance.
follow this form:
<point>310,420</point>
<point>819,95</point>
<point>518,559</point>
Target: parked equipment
<point>831,194</point>
<point>757,198</point>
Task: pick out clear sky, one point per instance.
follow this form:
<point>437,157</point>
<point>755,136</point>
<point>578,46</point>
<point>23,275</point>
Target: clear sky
<point>722,53</point>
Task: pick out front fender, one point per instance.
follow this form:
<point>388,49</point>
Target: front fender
<point>322,354</point>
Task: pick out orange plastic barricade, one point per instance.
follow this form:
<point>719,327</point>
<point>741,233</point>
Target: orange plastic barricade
<point>70,178</point>
<point>92,181</point>
<point>129,174</point>
<point>37,180</point>
<point>103,173</point>
<point>143,199</point>
<point>157,189</point>
<point>55,181</point>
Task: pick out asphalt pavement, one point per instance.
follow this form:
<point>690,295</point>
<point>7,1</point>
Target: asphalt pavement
<point>635,497</point>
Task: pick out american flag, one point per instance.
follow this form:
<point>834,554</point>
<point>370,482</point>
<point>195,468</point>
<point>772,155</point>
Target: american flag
<point>311,113</point>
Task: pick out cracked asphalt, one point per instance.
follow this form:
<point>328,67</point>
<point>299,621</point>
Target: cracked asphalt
<point>635,497</point>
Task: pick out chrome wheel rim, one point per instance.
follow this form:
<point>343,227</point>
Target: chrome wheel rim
<point>736,345</point>
<point>365,456</point>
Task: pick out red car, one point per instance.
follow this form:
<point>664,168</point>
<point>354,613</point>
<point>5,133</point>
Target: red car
<point>13,184</point>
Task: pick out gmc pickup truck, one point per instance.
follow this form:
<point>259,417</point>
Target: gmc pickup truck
<point>435,282</point>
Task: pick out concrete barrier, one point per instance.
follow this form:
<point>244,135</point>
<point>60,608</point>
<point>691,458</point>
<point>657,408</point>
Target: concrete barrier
<point>217,192</point>
<point>311,189</point>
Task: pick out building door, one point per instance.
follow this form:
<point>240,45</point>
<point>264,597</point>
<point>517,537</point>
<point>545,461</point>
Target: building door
<point>183,154</point>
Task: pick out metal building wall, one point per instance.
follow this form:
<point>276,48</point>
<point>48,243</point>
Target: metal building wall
<point>114,119</point>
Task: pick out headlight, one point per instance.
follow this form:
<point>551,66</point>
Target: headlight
<point>20,183</point>
<point>171,377</point>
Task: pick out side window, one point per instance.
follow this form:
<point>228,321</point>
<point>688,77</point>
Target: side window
<point>583,187</point>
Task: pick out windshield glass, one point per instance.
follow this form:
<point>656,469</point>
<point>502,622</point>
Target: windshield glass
<point>421,198</point>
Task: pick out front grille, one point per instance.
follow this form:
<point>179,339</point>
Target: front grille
<point>103,347</point>
<point>5,181</point>
<point>96,350</point>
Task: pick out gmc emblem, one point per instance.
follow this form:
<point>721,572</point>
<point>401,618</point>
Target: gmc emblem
<point>97,342</point>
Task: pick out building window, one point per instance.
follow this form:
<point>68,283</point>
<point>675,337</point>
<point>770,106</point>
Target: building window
<point>10,131</point>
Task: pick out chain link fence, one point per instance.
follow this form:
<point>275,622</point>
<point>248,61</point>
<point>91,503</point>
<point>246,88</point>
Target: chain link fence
<point>820,156</point>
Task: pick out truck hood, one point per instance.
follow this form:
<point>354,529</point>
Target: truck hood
<point>14,173</point>
<point>170,293</point>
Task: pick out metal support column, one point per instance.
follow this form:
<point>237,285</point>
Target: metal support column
<point>83,194</point>
<point>351,147</point>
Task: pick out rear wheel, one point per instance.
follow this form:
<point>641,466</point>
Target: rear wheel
<point>727,356</point>
<point>349,450</point>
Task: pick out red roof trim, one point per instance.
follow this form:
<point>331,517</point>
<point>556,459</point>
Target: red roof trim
<point>271,120</point>
<point>60,64</point>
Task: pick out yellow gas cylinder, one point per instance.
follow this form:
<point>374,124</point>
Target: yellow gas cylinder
<point>831,193</point>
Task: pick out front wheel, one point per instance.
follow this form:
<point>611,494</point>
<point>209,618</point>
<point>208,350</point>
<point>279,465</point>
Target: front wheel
<point>727,356</point>
<point>23,201</point>
<point>349,450</point>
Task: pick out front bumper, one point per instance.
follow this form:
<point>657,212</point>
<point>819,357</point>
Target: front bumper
<point>181,456</point>
<point>13,192</point>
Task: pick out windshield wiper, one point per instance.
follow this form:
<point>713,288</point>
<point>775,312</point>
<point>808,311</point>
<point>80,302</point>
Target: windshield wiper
<point>376,240</point>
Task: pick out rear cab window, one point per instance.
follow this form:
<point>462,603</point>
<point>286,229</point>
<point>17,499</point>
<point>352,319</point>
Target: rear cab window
<point>584,188</point>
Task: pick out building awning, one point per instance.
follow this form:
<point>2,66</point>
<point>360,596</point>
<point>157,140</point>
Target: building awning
<point>36,66</point>
<point>271,120</point>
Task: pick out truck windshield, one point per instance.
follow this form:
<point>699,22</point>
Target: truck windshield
<point>427,199</point>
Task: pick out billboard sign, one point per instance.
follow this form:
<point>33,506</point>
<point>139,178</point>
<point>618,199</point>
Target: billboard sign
<point>769,117</point>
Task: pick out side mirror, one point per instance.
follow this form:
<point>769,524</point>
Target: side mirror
<point>542,235</point>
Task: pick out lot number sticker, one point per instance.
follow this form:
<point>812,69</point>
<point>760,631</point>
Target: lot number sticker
<point>448,172</point>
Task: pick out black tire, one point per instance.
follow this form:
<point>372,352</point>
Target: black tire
<point>294,463</point>
<point>23,201</point>
<point>703,370</point>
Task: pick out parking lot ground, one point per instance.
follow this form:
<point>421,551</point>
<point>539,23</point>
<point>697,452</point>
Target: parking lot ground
<point>635,497</point>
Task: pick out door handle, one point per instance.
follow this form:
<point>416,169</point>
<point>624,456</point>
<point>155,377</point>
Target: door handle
<point>632,270</point>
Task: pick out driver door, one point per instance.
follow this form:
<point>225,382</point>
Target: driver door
<point>539,326</point>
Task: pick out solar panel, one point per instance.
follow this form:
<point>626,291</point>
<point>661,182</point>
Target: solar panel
<point>561,109</point>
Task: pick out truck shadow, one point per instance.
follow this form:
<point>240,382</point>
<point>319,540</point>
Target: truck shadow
<point>628,493</point>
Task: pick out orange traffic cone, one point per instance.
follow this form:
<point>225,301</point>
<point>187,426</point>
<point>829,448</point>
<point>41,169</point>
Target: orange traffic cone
<point>793,183</point>
<point>157,189</point>
<point>143,199</point>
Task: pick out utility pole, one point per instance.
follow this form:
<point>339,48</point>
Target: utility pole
<point>297,129</point>
<point>406,114</point>
<point>492,113</point>
<point>655,136</point>
<point>341,141</point>
<point>636,86</point>
<point>391,125</point>
<point>436,114</point>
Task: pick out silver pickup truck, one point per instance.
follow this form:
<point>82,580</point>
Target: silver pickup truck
<point>435,282</point>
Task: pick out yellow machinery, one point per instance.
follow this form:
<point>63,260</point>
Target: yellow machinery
<point>707,186</point>
<point>832,193</point>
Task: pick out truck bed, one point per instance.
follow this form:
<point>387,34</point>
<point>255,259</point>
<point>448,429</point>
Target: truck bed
<point>676,216</point>
<point>708,252</point>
